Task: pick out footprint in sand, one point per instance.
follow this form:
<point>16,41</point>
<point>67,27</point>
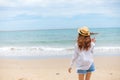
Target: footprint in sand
<point>57,73</point>
<point>22,79</point>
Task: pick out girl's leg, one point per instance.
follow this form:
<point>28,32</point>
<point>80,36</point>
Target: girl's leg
<point>80,76</point>
<point>88,75</point>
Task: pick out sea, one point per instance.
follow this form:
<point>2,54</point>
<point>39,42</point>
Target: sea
<point>51,43</point>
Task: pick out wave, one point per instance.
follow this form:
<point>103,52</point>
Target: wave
<point>50,51</point>
<point>32,48</point>
<point>107,49</point>
<point>32,51</point>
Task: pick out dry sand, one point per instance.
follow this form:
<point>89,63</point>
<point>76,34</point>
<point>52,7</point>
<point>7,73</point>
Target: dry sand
<point>107,68</point>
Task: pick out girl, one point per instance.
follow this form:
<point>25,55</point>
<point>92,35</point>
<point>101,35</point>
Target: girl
<point>83,56</point>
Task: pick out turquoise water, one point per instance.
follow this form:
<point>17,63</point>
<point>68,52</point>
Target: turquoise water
<point>57,37</point>
<point>38,38</point>
<point>54,42</point>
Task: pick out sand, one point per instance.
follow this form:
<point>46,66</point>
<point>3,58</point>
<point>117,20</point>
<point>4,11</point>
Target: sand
<point>107,68</point>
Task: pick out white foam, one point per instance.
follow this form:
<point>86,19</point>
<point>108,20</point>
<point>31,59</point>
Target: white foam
<point>107,49</point>
<point>32,51</point>
<point>49,51</point>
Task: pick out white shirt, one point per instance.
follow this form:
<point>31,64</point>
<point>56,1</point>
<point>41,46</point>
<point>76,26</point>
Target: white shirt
<point>82,58</point>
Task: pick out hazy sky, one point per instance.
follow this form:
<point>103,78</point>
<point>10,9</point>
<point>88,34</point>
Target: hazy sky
<point>48,14</point>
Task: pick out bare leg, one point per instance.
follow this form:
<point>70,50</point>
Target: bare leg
<point>88,75</point>
<point>80,76</point>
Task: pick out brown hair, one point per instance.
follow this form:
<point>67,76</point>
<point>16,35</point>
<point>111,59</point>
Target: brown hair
<point>84,42</point>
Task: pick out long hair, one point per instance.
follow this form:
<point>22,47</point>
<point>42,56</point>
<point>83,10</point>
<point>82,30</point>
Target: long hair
<point>84,42</point>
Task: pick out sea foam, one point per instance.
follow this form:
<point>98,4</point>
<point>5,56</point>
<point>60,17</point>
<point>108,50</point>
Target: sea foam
<point>50,51</point>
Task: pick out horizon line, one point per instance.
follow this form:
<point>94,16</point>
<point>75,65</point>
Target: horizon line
<point>50,29</point>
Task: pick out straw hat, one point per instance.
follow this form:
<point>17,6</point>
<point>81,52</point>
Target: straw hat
<point>84,31</point>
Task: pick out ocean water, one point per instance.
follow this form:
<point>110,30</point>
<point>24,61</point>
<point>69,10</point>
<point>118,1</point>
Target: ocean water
<point>55,42</point>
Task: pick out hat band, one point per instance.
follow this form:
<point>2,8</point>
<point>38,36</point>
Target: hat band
<point>84,34</point>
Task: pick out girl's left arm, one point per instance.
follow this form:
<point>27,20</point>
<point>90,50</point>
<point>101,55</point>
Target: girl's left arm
<point>74,57</point>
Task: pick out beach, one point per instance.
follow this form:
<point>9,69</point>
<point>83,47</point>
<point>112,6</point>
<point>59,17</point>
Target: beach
<point>46,54</point>
<point>107,68</point>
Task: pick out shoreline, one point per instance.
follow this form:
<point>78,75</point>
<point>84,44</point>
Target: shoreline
<point>57,56</point>
<point>107,68</point>
<point>52,51</point>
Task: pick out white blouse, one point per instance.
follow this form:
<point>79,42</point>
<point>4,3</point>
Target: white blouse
<point>82,58</point>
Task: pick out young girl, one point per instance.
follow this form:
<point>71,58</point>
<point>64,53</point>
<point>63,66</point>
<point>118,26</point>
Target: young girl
<point>83,56</point>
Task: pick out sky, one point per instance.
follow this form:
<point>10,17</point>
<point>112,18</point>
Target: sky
<point>58,14</point>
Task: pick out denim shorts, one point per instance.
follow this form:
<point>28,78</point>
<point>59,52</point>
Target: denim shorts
<point>91,69</point>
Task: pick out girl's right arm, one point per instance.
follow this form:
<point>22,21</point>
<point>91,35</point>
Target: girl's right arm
<point>93,43</point>
<point>93,40</point>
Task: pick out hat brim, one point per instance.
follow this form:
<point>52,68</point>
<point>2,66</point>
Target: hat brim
<point>92,33</point>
